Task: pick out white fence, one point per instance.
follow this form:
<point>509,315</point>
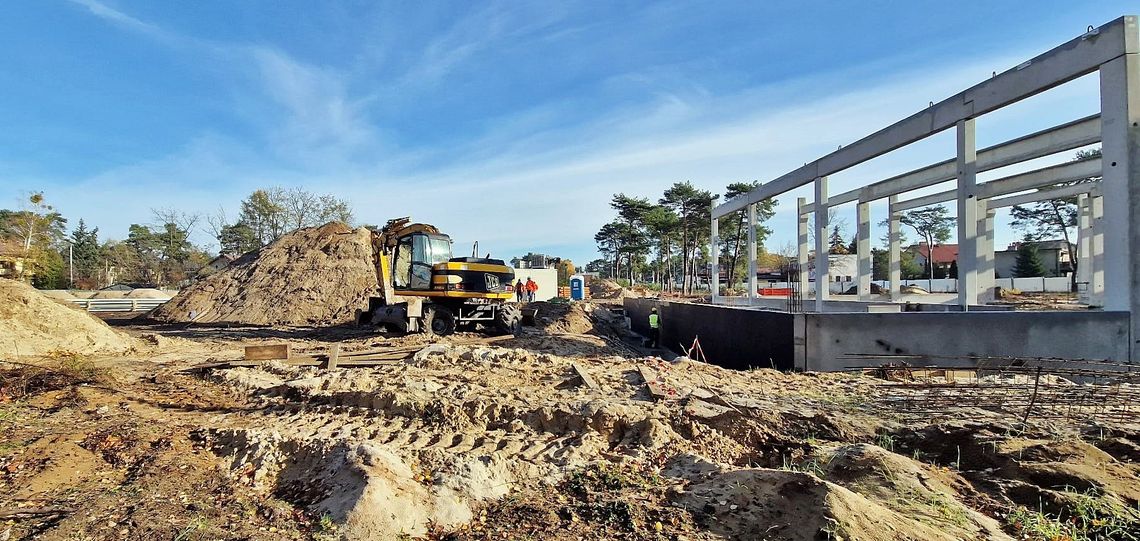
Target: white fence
<point>118,305</point>
<point>1059,284</point>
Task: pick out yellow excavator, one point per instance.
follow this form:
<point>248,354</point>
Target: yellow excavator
<point>424,289</point>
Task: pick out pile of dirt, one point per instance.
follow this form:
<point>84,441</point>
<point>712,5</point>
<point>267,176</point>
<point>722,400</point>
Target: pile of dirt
<point>610,289</point>
<point>146,293</point>
<point>913,290</point>
<point>37,325</point>
<point>61,294</point>
<point>555,317</point>
<point>312,276</point>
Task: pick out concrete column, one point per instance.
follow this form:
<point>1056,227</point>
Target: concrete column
<point>822,274</point>
<point>1120,117</point>
<point>967,216</point>
<point>714,258</point>
<point>986,278</point>
<point>1084,248</point>
<point>863,249</point>
<point>1096,251</point>
<point>802,251</point>
<point>894,237</point>
<point>1120,148</point>
<point>751,253</point>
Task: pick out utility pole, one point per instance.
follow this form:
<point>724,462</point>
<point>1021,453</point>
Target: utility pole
<point>71,265</point>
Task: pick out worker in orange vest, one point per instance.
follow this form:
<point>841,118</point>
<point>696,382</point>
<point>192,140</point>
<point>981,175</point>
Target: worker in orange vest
<point>531,287</point>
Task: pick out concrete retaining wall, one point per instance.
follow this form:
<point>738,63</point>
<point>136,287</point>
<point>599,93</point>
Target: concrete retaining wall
<point>737,338</point>
<point>1069,335</point>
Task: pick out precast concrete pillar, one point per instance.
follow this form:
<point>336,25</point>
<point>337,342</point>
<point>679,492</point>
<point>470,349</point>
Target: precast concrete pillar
<point>802,250</point>
<point>967,215</point>
<point>1096,251</point>
<point>751,253</point>
<point>863,249</point>
<point>1120,159</point>
<point>894,238</point>
<point>822,273</point>
<point>1084,248</point>
<point>714,258</point>
<point>986,278</point>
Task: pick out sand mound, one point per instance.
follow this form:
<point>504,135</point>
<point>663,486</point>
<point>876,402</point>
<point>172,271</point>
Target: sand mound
<point>147,293</point>
<point>608,289</point>
<point>61,294</point>
<point>110,294</point>
<point>312,276</point>
<point>772,504</point>
<point>34,324</point>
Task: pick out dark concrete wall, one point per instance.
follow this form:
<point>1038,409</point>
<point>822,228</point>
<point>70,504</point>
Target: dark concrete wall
<point>1069,335</point>
<point>731,337</point>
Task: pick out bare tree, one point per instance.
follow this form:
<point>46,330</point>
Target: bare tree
<point>302,207</point>
<point>833,220</point>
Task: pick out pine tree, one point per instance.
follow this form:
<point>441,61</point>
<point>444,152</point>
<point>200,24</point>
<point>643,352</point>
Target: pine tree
<point>835,242</point>
<point>1028,263</point>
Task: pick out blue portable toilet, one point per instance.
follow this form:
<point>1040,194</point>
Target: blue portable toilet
<point>577,287</point>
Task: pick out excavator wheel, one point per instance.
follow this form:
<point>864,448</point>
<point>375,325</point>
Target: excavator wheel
<point>508,320</point>
<point>438,320</point>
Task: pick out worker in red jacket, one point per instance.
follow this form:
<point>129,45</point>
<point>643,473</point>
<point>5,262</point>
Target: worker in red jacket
<point>531,287</point>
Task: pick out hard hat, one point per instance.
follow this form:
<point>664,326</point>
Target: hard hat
<point>654,309</point>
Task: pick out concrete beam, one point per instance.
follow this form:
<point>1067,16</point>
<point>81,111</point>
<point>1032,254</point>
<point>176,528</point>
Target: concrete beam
<point>1045,194</point>
<point>967,216</point>
<point>1038,178</point>
<point>1120,135</point>
<point>1068,136</point>
<point>1079,56</point>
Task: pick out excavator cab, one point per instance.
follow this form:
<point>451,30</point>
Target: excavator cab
<point>416,255</point>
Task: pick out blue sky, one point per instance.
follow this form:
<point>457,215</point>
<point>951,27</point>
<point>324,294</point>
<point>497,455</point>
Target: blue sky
<point>509,123</point>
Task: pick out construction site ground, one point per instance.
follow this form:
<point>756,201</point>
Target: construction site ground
<point>570,430</point>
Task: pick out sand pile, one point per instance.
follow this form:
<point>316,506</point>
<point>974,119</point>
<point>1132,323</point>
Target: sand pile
<point>312,276</point>
<point>146,293</point>
<point>563,317</point>
<point>33,324</point>
<point>607,289</point>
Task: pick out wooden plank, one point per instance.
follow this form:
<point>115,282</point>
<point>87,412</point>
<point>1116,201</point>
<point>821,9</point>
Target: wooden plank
<point>334,355</point>
<point>657,391</point>
<point>584,376</point>
<point>265,353</point>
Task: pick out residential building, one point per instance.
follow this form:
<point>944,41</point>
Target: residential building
<point>943,255</point>
<point>1052,253</point>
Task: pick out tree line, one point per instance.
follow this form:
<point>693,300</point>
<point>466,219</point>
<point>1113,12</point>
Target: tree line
<point>39,247</point>
<point>665,243</point>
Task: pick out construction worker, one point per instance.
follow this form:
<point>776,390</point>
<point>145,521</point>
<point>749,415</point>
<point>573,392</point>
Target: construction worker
<point>519,290</point>
<point>531,287</point>
<point>654,328</point>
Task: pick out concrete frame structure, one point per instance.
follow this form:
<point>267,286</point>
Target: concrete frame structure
<point>1113,208</point>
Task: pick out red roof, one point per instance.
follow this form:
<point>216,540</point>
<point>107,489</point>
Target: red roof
<point>943,253</point>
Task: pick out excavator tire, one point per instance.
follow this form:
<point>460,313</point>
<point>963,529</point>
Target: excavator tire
<point>508,320</point>
<point>438,320</point>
